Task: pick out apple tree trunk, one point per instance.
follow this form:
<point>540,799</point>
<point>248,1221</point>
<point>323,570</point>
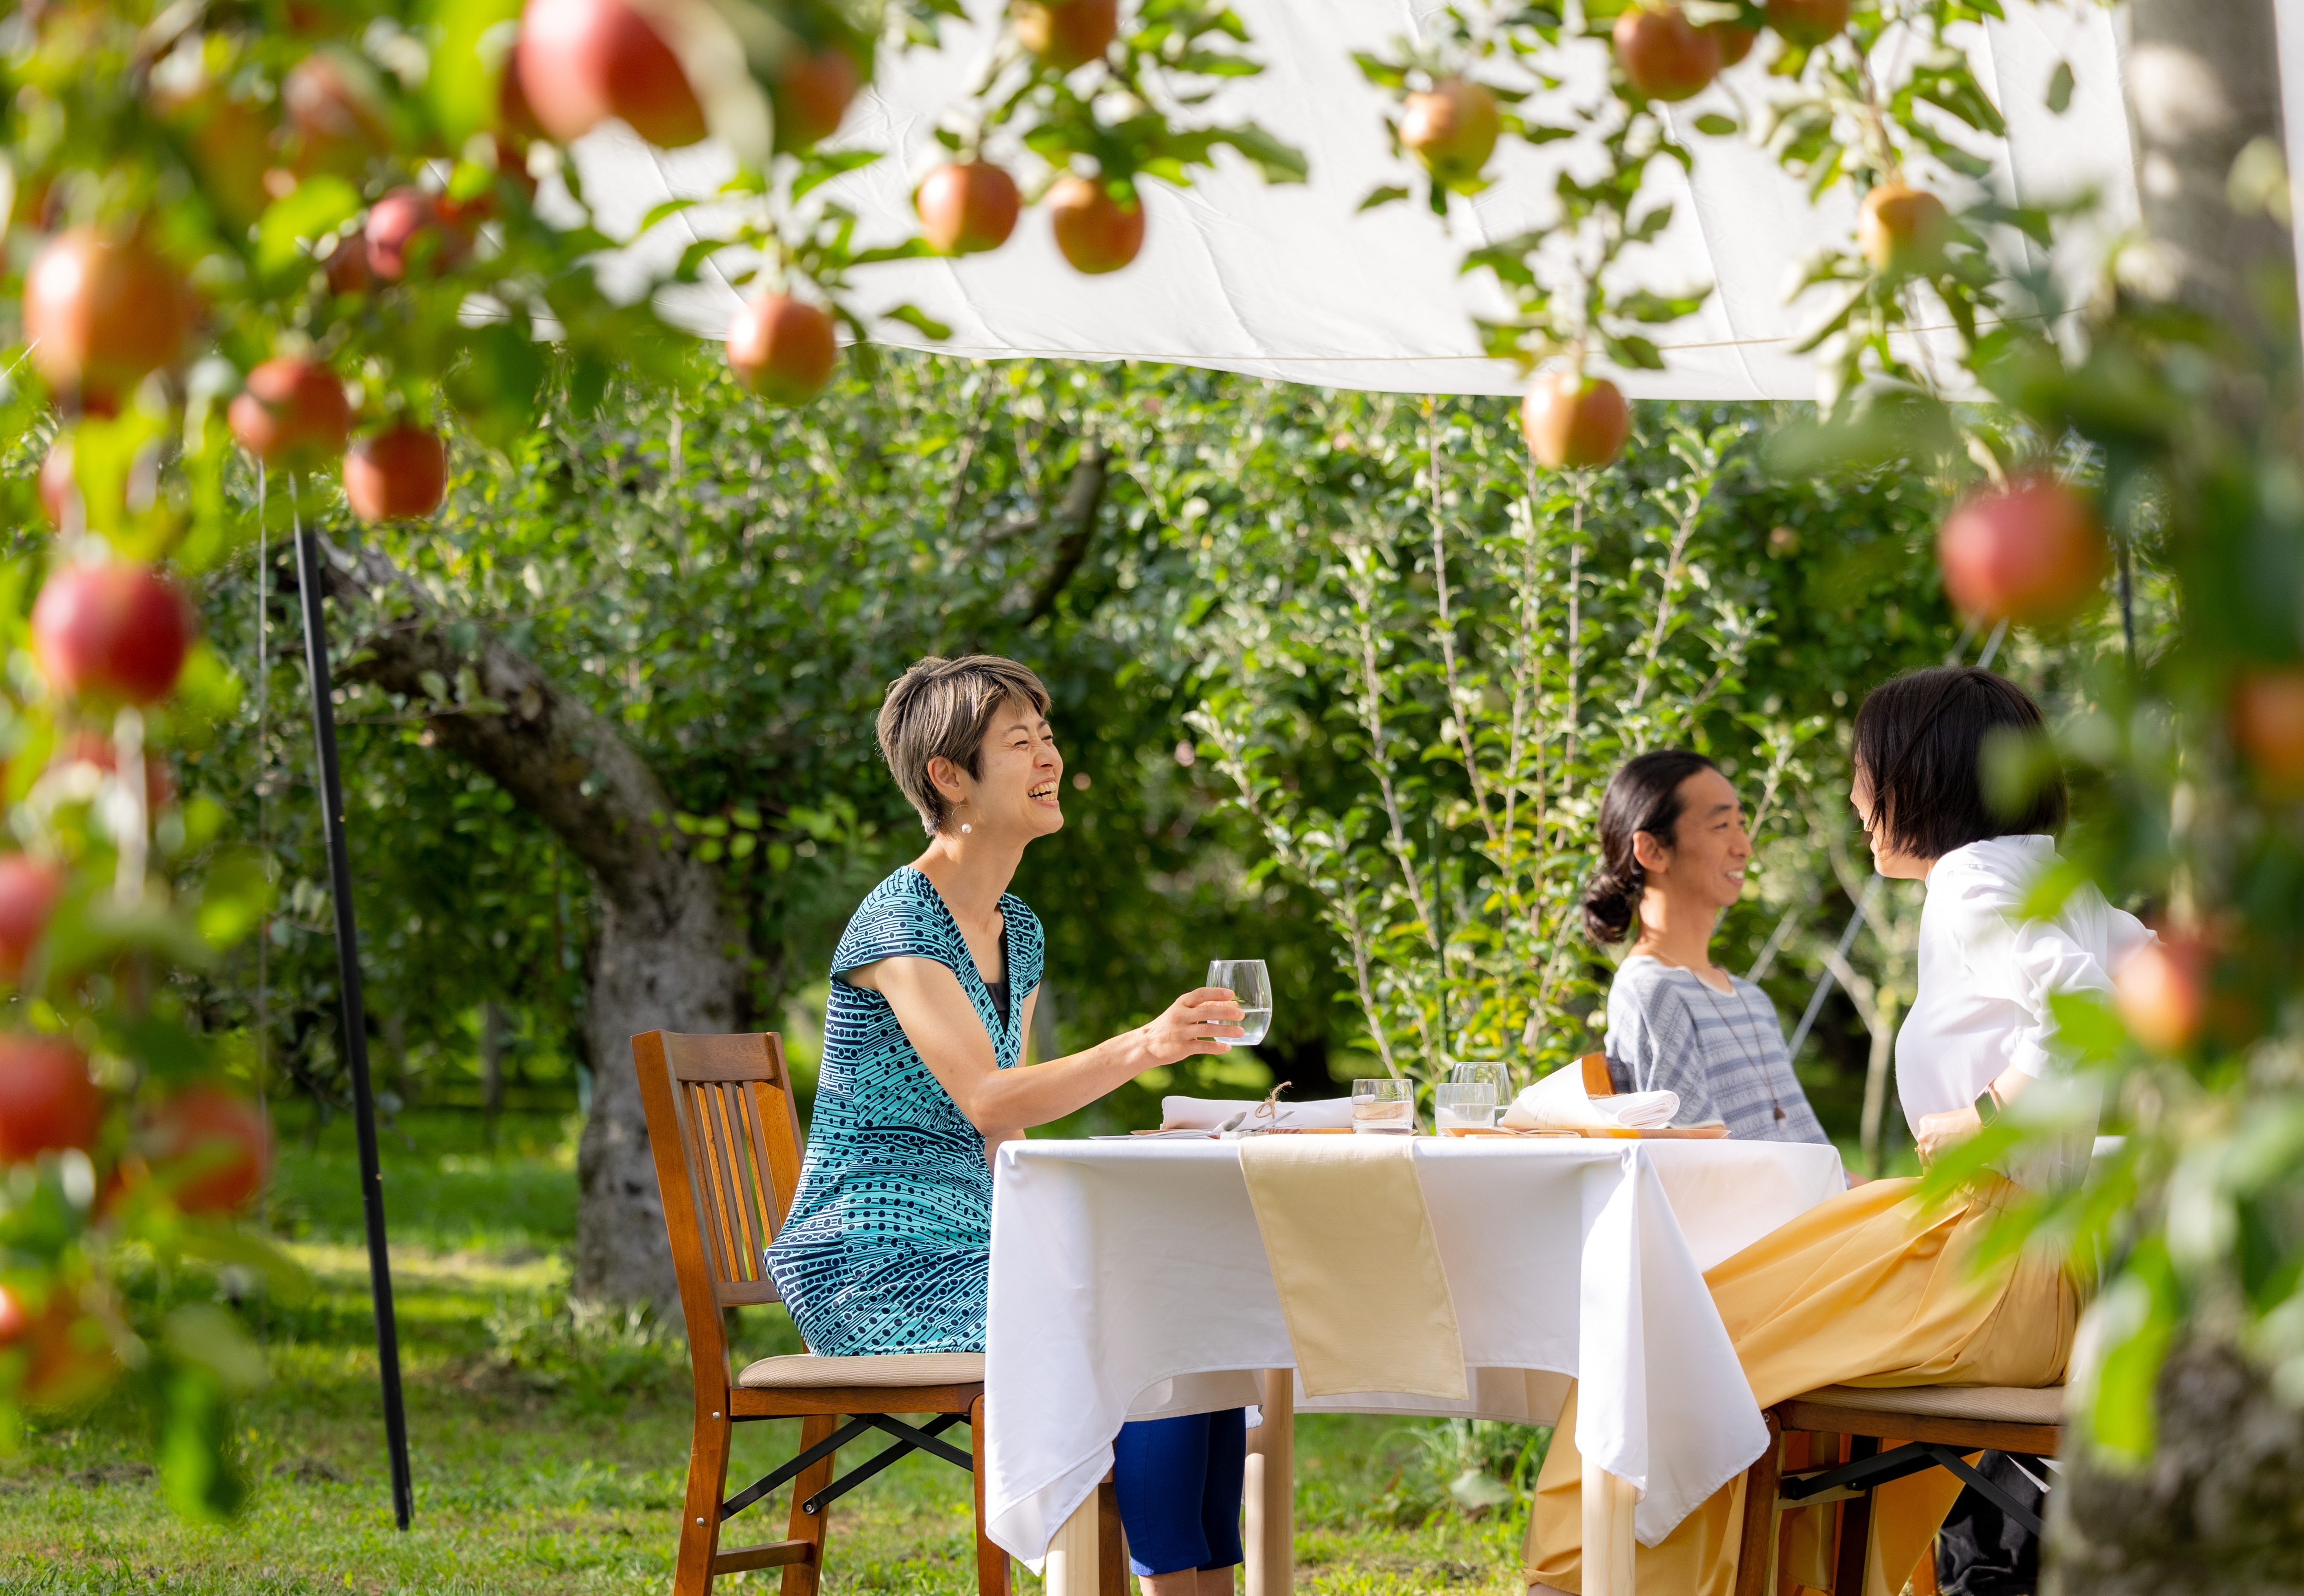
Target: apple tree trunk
<point>670,956</point>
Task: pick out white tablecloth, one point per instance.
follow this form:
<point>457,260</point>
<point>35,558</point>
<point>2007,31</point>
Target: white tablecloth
<point>1130,1281</point>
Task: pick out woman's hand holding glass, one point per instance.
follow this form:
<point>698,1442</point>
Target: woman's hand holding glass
<point>1204,1020</point>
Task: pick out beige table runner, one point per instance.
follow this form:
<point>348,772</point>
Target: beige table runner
<point>1350,1240</point>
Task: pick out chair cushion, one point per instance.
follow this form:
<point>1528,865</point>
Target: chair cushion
<point>1999,1404</point>
<point>807,1371</point>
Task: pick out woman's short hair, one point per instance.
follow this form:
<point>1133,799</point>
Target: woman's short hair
<point>1920,741</point>
<point>1642,796</point>
<point>944,708</point>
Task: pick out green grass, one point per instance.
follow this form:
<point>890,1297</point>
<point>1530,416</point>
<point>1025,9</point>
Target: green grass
<point>549,1447</point>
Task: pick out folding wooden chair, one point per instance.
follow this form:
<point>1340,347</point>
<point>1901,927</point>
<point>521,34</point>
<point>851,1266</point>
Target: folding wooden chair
<point>725,1136</point>
<point>1939,1427</point>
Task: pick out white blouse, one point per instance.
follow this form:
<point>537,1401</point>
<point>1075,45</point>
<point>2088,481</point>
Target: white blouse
<point>1986,973</point>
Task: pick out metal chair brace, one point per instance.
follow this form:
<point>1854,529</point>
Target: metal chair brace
<point>1867,1473</point>
<point>782,1472</point>
<point>908,1440</point>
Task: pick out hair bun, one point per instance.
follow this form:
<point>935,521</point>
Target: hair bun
<point>1608,903</point>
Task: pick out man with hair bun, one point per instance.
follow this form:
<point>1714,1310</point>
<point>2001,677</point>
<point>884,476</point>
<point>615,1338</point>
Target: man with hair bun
<point>1672,855</point>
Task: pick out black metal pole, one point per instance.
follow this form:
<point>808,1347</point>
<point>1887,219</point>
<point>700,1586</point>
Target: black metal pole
<point>348,972</point>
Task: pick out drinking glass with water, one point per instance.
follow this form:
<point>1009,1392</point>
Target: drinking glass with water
<point>1383,1106</point>
<point>1249,981</point>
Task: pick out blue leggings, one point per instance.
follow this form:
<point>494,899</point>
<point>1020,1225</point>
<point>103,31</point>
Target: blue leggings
<point>1179,1482</point>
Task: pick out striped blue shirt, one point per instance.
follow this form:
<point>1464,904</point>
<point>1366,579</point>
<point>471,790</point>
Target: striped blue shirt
<point>1723,1053</point>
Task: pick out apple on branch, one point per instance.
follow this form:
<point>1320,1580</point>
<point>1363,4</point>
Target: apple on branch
<point>1451,128</point>
<point>1063,34</point>
<point>101,312</point>
<point>966,208</point>
<point>1572,422</point>
<point>581,62</point>
<point>1097,232</point>
<point>118,631</point>
<point>398,474</point>
<point>1667,56</point>
<point>781,348</point>
<point>2031,550</point>
<point>292,414</point>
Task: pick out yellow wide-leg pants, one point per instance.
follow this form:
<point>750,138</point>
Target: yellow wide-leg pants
<point>1867,1289</point>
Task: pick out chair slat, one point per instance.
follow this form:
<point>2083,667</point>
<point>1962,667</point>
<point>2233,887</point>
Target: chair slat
<point>711,1101</point>
<point>735,1103</point>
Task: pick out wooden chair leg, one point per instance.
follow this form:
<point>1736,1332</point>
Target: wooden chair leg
<point>1111,1555</point>
<point>699,1518</point>
<point>991,1561</point>
<point>1759,1528</point>
<point>800,1578</point>
<point>1855,1527</point>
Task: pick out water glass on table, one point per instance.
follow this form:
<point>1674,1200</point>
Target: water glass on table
<point>1247,980</point>
<point>1462,1107</point>
<point>1493,1070</point>
<point>1383,1106</point>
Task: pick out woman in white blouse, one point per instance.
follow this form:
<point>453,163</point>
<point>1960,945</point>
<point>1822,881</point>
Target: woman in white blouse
<point>1871,1289</point>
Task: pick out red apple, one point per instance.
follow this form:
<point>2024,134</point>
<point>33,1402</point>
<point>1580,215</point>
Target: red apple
<point>2267,722</point>
<point>966,207</point>
<point>2032,551</point>
<point>293,413</point>
<point>46,1102</point>
<point>1096,231</point>
<point>1067,33</point>
<point>1451,128</point>
<point>101,311</point>
<point>1572,422</point>
<point>232,147</point>
<point>334,101</point>
<point>86,747</point>
<point>28,891</point>
<point>1807,24</point>
<point>1667,56</point>
<point>781,348</point>
<point>1735,43</point>
<point>581,62</point>
<point>398,474</point>
<point>2162,993</point>
<point>347,266</point>
<point>1902,230</point>
<point>116,630</point>
<point>211,1149</point>
<point>811,95</point>
<point>407,231</point>
<point>515,118</point>
<point>66,1354</point>
<point>58,485</point>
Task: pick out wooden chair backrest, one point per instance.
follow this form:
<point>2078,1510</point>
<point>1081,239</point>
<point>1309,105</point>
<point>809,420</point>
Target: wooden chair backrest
<point>725,1133</point>
<point>1596,1083</point>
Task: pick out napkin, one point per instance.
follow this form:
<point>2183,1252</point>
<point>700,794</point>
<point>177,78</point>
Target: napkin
<point>1205,1114</point>
<point>1350,1240</point>
<point>1559,1102</point>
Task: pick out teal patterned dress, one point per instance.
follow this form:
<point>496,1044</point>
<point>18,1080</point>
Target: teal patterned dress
<point>888,1246</point>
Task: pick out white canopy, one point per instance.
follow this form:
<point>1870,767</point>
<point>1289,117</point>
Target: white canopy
<point>1294,282</point>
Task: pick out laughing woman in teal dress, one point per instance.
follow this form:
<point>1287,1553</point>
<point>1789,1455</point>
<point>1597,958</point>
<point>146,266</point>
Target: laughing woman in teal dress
<point>887,1248</point>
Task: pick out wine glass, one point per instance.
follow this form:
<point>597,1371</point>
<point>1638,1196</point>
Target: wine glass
<point>1249,981</point>
<point>1494,1071</point>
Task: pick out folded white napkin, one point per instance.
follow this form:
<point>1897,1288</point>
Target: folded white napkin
<point>1559,1102</point>
<point>1205,1114</point>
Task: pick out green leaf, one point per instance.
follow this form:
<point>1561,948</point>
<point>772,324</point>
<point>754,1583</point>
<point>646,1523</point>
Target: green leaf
<point>912,316</point>
<point>1633,352</point>
<point>1717,125</point>
<point>823,168</point>
<point>1382,196</point>
<point>2060,87</point>
<point>317,205</point>
<point>657,213</point>
<point>1275,161</point>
